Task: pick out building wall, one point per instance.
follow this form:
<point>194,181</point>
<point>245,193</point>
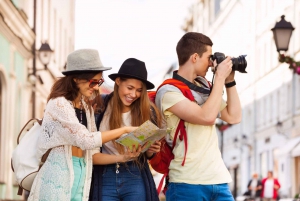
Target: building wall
<point>55,24</point>
<point>269,90</point>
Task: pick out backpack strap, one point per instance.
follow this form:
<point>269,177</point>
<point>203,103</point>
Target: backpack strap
<point>28,125</point>
<point>185,90</point>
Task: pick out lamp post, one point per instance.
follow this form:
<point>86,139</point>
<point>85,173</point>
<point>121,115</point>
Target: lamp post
<point>282,32</point>
<point>44,54</point>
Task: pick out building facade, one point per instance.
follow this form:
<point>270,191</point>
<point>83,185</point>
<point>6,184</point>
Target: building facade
<point>25,81</point>
<point>268,138</point>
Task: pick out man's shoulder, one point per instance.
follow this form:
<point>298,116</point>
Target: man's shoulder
<point>168,88</point>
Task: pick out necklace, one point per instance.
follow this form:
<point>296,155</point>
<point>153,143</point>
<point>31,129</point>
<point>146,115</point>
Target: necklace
<point>80,116</point>
<point>80,112</point>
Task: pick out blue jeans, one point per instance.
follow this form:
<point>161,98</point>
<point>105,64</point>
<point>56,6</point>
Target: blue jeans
<point>126,185</point>
<point>79,178</point>
<point>197,192</point>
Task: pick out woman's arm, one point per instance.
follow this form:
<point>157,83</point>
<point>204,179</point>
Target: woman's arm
<point>61,123</point>
<point>114,134</point>
<point>105,159</point>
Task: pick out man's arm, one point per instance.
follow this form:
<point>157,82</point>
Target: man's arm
<point>232,113</point>
<point>207,113</point>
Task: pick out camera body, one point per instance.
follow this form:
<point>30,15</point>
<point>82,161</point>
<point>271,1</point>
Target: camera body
<point>238,64</point>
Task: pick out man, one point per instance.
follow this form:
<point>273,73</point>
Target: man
<point>204,175</point>
<point>270,187</point>
<point>254,187</point>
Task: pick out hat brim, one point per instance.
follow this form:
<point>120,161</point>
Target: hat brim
<point>148,84</point>
<point>74,72</point>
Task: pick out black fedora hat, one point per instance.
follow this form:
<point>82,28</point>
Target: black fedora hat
<point>133,68</point>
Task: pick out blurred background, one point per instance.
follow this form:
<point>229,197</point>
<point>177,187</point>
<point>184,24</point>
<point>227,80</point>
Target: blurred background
<point>37,35</point>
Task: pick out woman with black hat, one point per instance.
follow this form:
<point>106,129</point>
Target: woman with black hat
<point>69,131</point>
<point>128,105</point>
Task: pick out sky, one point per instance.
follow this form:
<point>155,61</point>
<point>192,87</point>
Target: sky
<point>144,29</point>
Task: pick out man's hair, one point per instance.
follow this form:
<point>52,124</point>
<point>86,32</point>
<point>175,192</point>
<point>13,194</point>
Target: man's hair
<point>190,43</point>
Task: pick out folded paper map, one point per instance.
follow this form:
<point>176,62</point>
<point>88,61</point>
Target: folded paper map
<point>144,135</point>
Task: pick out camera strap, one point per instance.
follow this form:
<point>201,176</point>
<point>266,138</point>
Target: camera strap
<point>191,85</point>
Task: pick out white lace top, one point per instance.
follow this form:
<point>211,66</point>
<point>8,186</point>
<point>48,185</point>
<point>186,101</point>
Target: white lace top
<point>61,130</point>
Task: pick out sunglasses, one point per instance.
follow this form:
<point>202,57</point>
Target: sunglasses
<point>93,82</point>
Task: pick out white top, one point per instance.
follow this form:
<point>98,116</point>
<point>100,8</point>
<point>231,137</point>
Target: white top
<point>61,130</point>
<point>109,147</point>
<point>204,164</point>
<point>269,188</point>
<point>253,187</point>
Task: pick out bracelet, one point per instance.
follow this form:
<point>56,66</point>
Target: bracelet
<point>149,158</point>
<point>230,84</point>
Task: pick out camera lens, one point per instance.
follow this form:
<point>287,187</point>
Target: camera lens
<point>239,64</point>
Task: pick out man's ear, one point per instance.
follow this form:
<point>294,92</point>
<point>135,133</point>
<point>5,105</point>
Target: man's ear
<point>194,57</point>
<point>75,80</point>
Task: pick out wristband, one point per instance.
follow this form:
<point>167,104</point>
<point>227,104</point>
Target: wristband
<point>230,84</point>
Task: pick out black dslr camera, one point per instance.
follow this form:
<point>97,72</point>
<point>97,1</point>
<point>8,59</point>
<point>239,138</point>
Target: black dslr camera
<point>238,64</point>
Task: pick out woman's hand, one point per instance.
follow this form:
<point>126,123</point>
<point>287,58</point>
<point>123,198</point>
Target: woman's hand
<point>154,148</point>
<point>132,155</point>
<point>129,129</point>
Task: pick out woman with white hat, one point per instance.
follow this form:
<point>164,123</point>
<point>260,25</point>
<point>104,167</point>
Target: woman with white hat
<point>69,131</point>
<point>128,105</point>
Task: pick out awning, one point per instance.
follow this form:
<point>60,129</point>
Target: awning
<point>296,151</point>
<point>287,147</point>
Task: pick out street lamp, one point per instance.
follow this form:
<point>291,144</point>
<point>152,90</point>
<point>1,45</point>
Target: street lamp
<point>282,32</point>
<point>280,129</point>
<point>44,54</point>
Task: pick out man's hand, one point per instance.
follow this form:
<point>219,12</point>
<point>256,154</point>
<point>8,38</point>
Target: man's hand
<point>230,77</point>
<point>224,68</point>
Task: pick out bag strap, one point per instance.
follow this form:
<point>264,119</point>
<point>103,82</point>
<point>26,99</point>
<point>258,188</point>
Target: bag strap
<point>191,85</point>
<point>185,90</point>
<point>40,121</point>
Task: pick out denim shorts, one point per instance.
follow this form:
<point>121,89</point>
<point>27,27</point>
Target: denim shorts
<point>197,192</point>
<point>123,183</point>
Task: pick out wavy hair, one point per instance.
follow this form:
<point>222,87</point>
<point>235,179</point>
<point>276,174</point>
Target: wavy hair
<point>142,110</point>
<point>67,87</point>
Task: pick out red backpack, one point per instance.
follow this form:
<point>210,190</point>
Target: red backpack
<point>161,161</point>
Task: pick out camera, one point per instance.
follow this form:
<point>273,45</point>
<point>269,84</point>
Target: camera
<point>238,64</point>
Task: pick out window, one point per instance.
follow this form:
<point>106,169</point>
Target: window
<point>264,164</point>
<point>275,163</point>
<point>217,7</point>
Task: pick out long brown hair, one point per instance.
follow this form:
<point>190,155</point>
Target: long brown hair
<point>67,87</point>
<point>142,110</point>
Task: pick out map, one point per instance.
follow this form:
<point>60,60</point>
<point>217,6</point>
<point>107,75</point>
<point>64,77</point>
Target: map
<point>144,135</point>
